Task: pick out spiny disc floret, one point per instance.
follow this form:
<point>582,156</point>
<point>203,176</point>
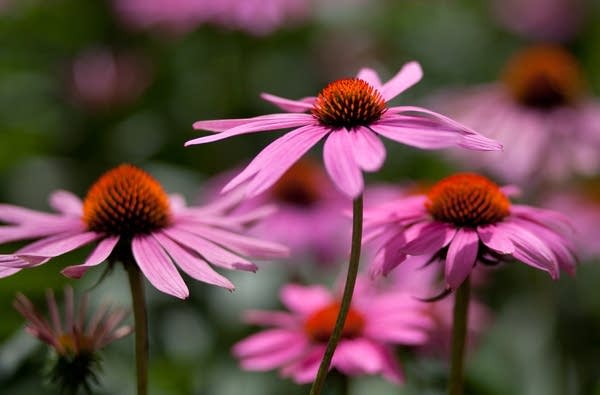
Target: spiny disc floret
<point>126,201</point>
<point>467,200</point>
<point>348,103</point>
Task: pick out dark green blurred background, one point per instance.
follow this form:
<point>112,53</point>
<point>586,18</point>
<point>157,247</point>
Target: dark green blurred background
<point>545,338</point>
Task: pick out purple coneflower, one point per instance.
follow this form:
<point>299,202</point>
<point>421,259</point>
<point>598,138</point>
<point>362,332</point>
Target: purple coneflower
<point>296,341</point>
<point>133,220</point>
<point>463,220</point>
<point>351,113</point>
<point>76,340</point>
<point>540,111</point>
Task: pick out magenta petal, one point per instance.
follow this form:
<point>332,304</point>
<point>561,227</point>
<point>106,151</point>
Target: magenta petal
<point>220,125</point>
<point>8,271</point>
<point>299,142</point>
<point>210,251</point>
<point>428,238</point>
<point>368,149</point>
<point>409,75</point>
<point>423,137</point>
<point>271,318</point>
<point>391,368</point>
<point>276,358</point>
<point>18,215</point>
<point>530,250</point>
<point>58,245</point>
<point>66,203</point>
<point>278,150</point>
<point>495,239</point>
<point>302,105</point>
<point>259,124</point>
<point>341,164</point>
<point>99,255</point>
<point>192,265</point>
<point>304,370</point>
<point>158,267</point>
<point>265,342</point>
<point>461,256</point>
<point>357,356</point>
<point>388,257</point>
<point>305,300</point>
<point>370,76</point>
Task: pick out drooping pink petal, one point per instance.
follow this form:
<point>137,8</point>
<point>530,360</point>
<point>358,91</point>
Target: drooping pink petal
<point>221,125</point>
<point>191,264</point>
<point>341,164</point>
<point>397,334</point>
<point>58,245</point>
<point>265,342</point>
<point>264,123</point>
<point>409,75</point>
<point>157,266</point>
<point>304,370</point>
<point>305,137</point>
<point>423,138</point>
<point>245,245</point>
<point>18,215</point>
<point>428,237</point>
<point>42,229</point>
<point>99,255</point>
<point>388,257</point>
<point>369,75</point>
<point>302,105</point>
<point>494,238</point>
<point>275,166</point>
<point>67,203</point>
<point>368,149</point>
<point>391,368</point>
<point>8,271</point>
<point>461,256</point>
<point>275,358</point>
<point>305,300</point>
<point>357,356</point>
<point>210,251</point>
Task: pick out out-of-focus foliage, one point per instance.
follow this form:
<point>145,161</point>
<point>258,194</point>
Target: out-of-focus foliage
<point>545,335</point>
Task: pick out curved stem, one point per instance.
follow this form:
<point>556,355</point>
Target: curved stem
<point>136,283</point>
<point>357,219</point>
<point>459,335</point>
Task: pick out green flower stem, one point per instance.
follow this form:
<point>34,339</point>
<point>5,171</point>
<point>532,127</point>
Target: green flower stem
<point>357,222</point>
<point>459,335</point>
<point>136,283</point>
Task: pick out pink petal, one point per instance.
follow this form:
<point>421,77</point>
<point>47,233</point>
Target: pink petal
<point>192,265</point>
<point>496,239</point>
<point>341,164</point>
<point>8,271</point>
<point>409,75</point>
<point>211,252</point>
<point>259,124</point>
<point>388,257</point>
<point>306,137</point>
<point>158,267</point>
<point>302,105</point>
<point>58,245</point>
<point>461,256</point>
<point>305,300</point>
<point>398,334</point>
<point>99,255</point>
<point>424,138</point>
<point>66,203</point>
<point>304,370</point>
<point>357,356</point>
<point>470,138</point>
<point>369,75</point>
<point>17,215</point>
<point>220,125</point>
<point>428,238</point>
<point>275,358</point>
<point>368,149</point>
<point>265,342</point>
<point>391,368</point>
<point>277,163</point>
<point>41,229</point>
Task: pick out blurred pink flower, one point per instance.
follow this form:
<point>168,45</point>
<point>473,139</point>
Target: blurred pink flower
<point>582,206</point>
<point>259,17</point>
<point>134,220</point>
<point>466,219</point>
<point>76,340</point>
<point>350,114</point>
<point>309,215</point>
<point>553,20</point>
<point>296,342</point>
<point>421,281</point>
<point>540,112</point>
<point>170,16</point>
<point>101,79</point>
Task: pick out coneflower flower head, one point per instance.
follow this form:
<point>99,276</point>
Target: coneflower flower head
<point>350,114</point>
<point>136,222</point>
<point>75,340</point>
